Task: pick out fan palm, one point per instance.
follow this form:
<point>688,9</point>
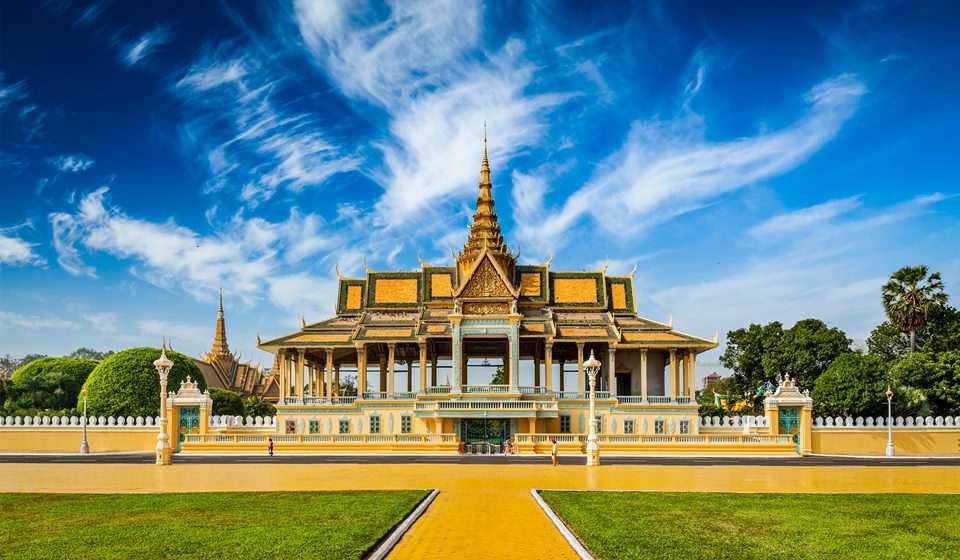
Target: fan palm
<point>911,297</point>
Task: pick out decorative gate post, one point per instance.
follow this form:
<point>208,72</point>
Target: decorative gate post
<point>789,411</point>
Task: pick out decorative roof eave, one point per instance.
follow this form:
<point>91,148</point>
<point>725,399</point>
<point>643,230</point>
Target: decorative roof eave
<point>485,254</point>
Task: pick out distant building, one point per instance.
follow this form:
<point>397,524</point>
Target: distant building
<point>710,379</point>
<point>222,369</point>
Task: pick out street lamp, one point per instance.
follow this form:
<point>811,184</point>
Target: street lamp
<point>84,447</point>
<point>592,367</point>
<point>889,451</point>
<point>163,365</point>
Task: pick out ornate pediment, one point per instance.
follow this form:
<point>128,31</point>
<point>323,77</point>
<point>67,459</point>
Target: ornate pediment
<point>486,282</point>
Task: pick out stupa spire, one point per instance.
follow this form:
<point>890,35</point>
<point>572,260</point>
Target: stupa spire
<point>220,347</point>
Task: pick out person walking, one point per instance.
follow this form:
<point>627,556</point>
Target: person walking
<point>553,452</point>
<point>270,445</point>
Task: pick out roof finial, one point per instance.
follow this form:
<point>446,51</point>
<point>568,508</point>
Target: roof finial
<point>220,307</point>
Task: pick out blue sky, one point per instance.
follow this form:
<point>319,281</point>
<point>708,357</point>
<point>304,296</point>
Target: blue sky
<point>756,162</point>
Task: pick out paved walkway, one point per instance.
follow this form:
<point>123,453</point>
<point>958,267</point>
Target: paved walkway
<point>483,511</point>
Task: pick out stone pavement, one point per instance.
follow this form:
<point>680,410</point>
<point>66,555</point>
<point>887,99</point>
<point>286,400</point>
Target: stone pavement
<point>483,511</point>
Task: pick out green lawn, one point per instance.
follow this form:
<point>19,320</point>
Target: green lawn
<point>195,526</point>
<point>762,526</point>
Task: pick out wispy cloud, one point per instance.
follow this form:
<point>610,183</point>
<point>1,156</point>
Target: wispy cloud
<point>251,143</point>
<point>175,331</point>
<point>71,163</point>
<point>103,321</point>
<point>664,169</point>
<point>34,322</point>
<point>247,254</point>
<point>146,44</point>
<point>437,104</point>
<point>15,251</point>
<point>804,218</point>
<point>90,13</point>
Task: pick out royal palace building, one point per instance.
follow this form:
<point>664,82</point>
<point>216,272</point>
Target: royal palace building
<point>485,350</point>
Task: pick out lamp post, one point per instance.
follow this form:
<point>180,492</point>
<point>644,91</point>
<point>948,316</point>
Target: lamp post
<point>592,367</point>
<point>84,447</point>
<point>163,365</point>
<point>889,450</point>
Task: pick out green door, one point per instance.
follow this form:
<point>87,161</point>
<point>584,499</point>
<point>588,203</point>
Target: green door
<point>790,424</point>
<point>188,422</point>
<point>492,431</point>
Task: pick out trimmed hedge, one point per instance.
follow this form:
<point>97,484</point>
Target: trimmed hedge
<point>226,402</point>
<point>127,384</point>
<point>50,383</point>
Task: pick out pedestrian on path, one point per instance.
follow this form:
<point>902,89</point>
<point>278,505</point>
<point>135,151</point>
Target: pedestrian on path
<point>270,445</point>
<point>553,452</point>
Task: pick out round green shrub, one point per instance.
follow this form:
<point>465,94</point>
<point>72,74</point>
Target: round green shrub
<point>127,384</point>
<point>226,402</point>
<point>50,383</point>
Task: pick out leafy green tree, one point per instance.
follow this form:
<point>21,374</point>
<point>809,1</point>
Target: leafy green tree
<point>348,386</point>
<point>805,351</point>
<point>887,342</point>
<point>50,383</point>
<point>499,377</point>
<point>89,354</point>
<point>853,385</point>
<point>226,402</point>
<point>911,297</point>
<point>126,383</point>
<point>936,375</point>
<point>256,406</point>
<point>942,332</point>
<point>760,353</point>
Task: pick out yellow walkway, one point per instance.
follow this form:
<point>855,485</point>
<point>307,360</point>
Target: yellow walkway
<point>483,511</point>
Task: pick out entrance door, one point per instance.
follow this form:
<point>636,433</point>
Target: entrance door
<point>484,436</point>
<point>188,422</point>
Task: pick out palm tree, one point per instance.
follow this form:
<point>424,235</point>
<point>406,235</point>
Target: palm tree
<point>911,297</point>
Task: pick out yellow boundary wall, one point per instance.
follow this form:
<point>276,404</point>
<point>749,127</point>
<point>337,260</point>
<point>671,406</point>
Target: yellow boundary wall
<point>106,439</point>
<point>929,441</point>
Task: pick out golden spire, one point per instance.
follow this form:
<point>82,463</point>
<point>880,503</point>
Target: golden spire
<point>484,231</point>
<point>220,347</point>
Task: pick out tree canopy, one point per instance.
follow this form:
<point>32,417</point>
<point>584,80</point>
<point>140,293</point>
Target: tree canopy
<point>911,297</point>
<point>759,353</point>
<point>226,402</point>
<point>127,384</point>
<point>853,385</point>
<point>47,384</point>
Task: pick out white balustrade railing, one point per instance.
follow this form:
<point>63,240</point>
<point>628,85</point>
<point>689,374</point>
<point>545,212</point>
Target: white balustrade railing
<point>77,421</point>
<point>881,422</point>
<point>571,395</point>
<point>661,439</point>
<point>384,396</point>
<point>659,399</point>
<point>486,405</point>
<point>732,421</point>
<point>531,390</point>
<point>486,389</point>
<point>242,422</point>
<point>438,390</point>
<point>232,439</point>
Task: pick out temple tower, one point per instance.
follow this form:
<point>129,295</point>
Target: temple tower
<point>220,347</point>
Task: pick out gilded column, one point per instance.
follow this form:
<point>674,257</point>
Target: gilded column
<point>643,375</point>
<point>423,366</point>
<point>612,373</point>
<point>674,374</point>
<point>514,353</point>
<point>329,374</point>
<point>301,368</point>
<point>692,383</point>
<point>548,364</point>
<point>282,376</point>
<point>383,370</point>
<point>310,387</point>
<point>391,362</point>
<point>336,380</point>
<point>456,358</point>
<point>580,388</point>
<point>361,370</point>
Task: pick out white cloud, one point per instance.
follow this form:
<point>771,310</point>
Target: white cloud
<point>72,163</point>
<point>15,251</point>
<point>104,322</point>
<point>437,103</point>
<point>305,294</point>
<point>804,218</point>
<point>143,47</point>
<point>246,256</point>
<point>664,170</point>
<point>34,322</point>
<point>258,146</point>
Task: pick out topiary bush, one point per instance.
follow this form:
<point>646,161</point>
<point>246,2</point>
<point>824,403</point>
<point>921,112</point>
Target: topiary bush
<point>126,383</point>
<point>226,402</point>
<point>49,383</point>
